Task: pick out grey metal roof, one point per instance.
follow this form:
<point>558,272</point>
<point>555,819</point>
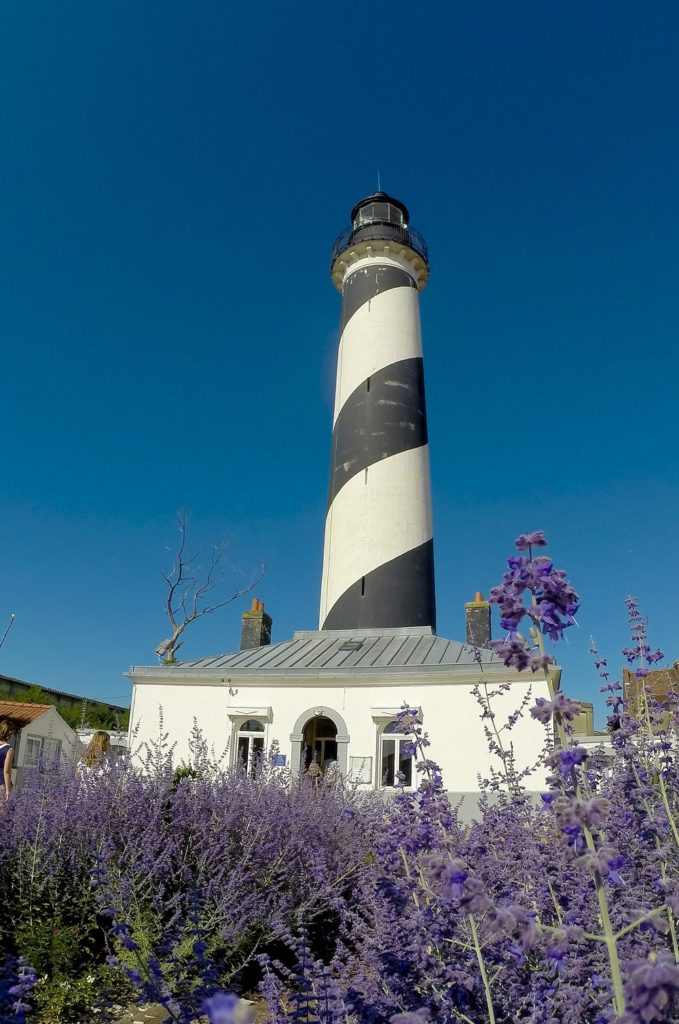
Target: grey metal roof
<point>352,650</point>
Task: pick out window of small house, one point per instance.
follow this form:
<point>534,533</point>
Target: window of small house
<point>32,748</point>
<point>395,764</point>
<point>39,748</point>
<point>250,744</point>
<point>51,749</point>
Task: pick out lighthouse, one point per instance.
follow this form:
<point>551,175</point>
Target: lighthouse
<point>378,559</point>
<point>331,696</point>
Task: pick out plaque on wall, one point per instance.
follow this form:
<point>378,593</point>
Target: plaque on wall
<point>279,760</point>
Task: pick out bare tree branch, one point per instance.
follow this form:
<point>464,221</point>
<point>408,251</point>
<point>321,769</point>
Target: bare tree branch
<point>187,590</point>
<point>11,623</point>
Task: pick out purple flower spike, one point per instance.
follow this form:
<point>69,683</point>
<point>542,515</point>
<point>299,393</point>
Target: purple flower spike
<point>513,653</point>
<point>563,706</point>
<point>221,1008</point>
<point>572,756</point>
<point>567,708</point>
<point>528,540</point>
<point>652,988</point>
<point>543,710</point>
<point>540,662</point>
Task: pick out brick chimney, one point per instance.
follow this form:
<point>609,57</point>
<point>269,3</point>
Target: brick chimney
<point>256,627</point>
<point>477,617</point>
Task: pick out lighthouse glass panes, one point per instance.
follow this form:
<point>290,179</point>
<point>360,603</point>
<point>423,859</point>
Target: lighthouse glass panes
<point>396,768</point>
<point>250,744</point>
<point>385,213</point>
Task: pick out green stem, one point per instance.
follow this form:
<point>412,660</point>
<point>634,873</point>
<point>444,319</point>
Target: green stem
<point>670,917</point>
<point>663,871</point>
<point>510,780</point>
<point>609,936</point>
<point>482,970</point>
<point>611,946</point>
<point>640,920</point>
<point>406,868</point>
<point>585,935</point>
<point>658,768</point>
<point>557,908</point>
<point>459,1015</point>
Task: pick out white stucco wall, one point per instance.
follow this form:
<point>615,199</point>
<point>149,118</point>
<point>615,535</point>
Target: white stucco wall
<point>450,714</point>
<point>49,725</point>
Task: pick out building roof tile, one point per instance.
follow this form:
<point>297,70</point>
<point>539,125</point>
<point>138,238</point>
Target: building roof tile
<point>20,713</point>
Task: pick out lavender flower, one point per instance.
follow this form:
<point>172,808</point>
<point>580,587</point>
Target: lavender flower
<point>652,988</point>
<point>222,1008</point>
<point>553,606</point>
<point>561,707</point>
<point>512,652</point>
<point>17,983</point>
<point>527,540</point>
<point>197,880</point>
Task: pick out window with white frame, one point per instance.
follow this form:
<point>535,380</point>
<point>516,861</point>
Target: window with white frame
<point>51,749</point>
<point>395,764</point>
<point>32,747</point>
<point>37,748</point>
<point>250,744</point>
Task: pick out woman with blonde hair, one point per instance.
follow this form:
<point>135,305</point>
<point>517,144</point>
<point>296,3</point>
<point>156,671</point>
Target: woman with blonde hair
<point>7,730</point>
<point>95,761</point>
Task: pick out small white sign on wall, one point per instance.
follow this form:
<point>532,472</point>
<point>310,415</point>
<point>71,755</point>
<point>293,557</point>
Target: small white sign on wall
<point>360,769</point>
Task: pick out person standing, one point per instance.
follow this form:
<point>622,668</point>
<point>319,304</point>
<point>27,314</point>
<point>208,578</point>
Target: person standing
<point>95,762</point>
<point>7,730</point>
<point>314,772</point>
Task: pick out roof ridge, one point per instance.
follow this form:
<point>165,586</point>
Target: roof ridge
<point>25,703</point>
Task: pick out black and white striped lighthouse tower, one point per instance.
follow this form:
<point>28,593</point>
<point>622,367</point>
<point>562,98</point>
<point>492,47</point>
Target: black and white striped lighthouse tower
<point>378,560</point>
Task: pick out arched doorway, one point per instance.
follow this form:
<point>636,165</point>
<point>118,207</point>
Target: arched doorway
<point>315,725</point>
<point>320,741</point>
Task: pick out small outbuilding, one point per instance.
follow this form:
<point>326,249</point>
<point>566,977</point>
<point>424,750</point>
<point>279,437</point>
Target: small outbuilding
<point>41,734</point>
<point>331,698</point>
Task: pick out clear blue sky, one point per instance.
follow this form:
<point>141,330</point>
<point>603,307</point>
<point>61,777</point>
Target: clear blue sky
<point>173,177</point>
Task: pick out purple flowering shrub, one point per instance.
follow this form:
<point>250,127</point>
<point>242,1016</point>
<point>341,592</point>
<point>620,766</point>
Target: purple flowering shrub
<point>194,884</point>
<point>558,912</point>
<point>171,883</point>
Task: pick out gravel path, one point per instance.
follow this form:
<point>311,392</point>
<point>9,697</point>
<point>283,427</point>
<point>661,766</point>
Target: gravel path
<point>151,1014</point>
<point>154,1014</point>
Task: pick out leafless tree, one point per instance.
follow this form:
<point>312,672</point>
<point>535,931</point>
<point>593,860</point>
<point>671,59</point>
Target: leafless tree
<point>11,623</point>
<point>188,589</point>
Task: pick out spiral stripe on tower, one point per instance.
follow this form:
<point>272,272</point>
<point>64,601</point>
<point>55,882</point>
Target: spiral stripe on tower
<point>378,565</point>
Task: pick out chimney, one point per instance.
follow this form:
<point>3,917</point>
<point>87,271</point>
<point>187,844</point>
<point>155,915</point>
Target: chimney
<point>477,616</point>
<point>256,628</point>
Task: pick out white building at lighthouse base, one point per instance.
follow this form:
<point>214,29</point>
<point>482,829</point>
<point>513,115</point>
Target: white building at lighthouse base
<point>332,697</point>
